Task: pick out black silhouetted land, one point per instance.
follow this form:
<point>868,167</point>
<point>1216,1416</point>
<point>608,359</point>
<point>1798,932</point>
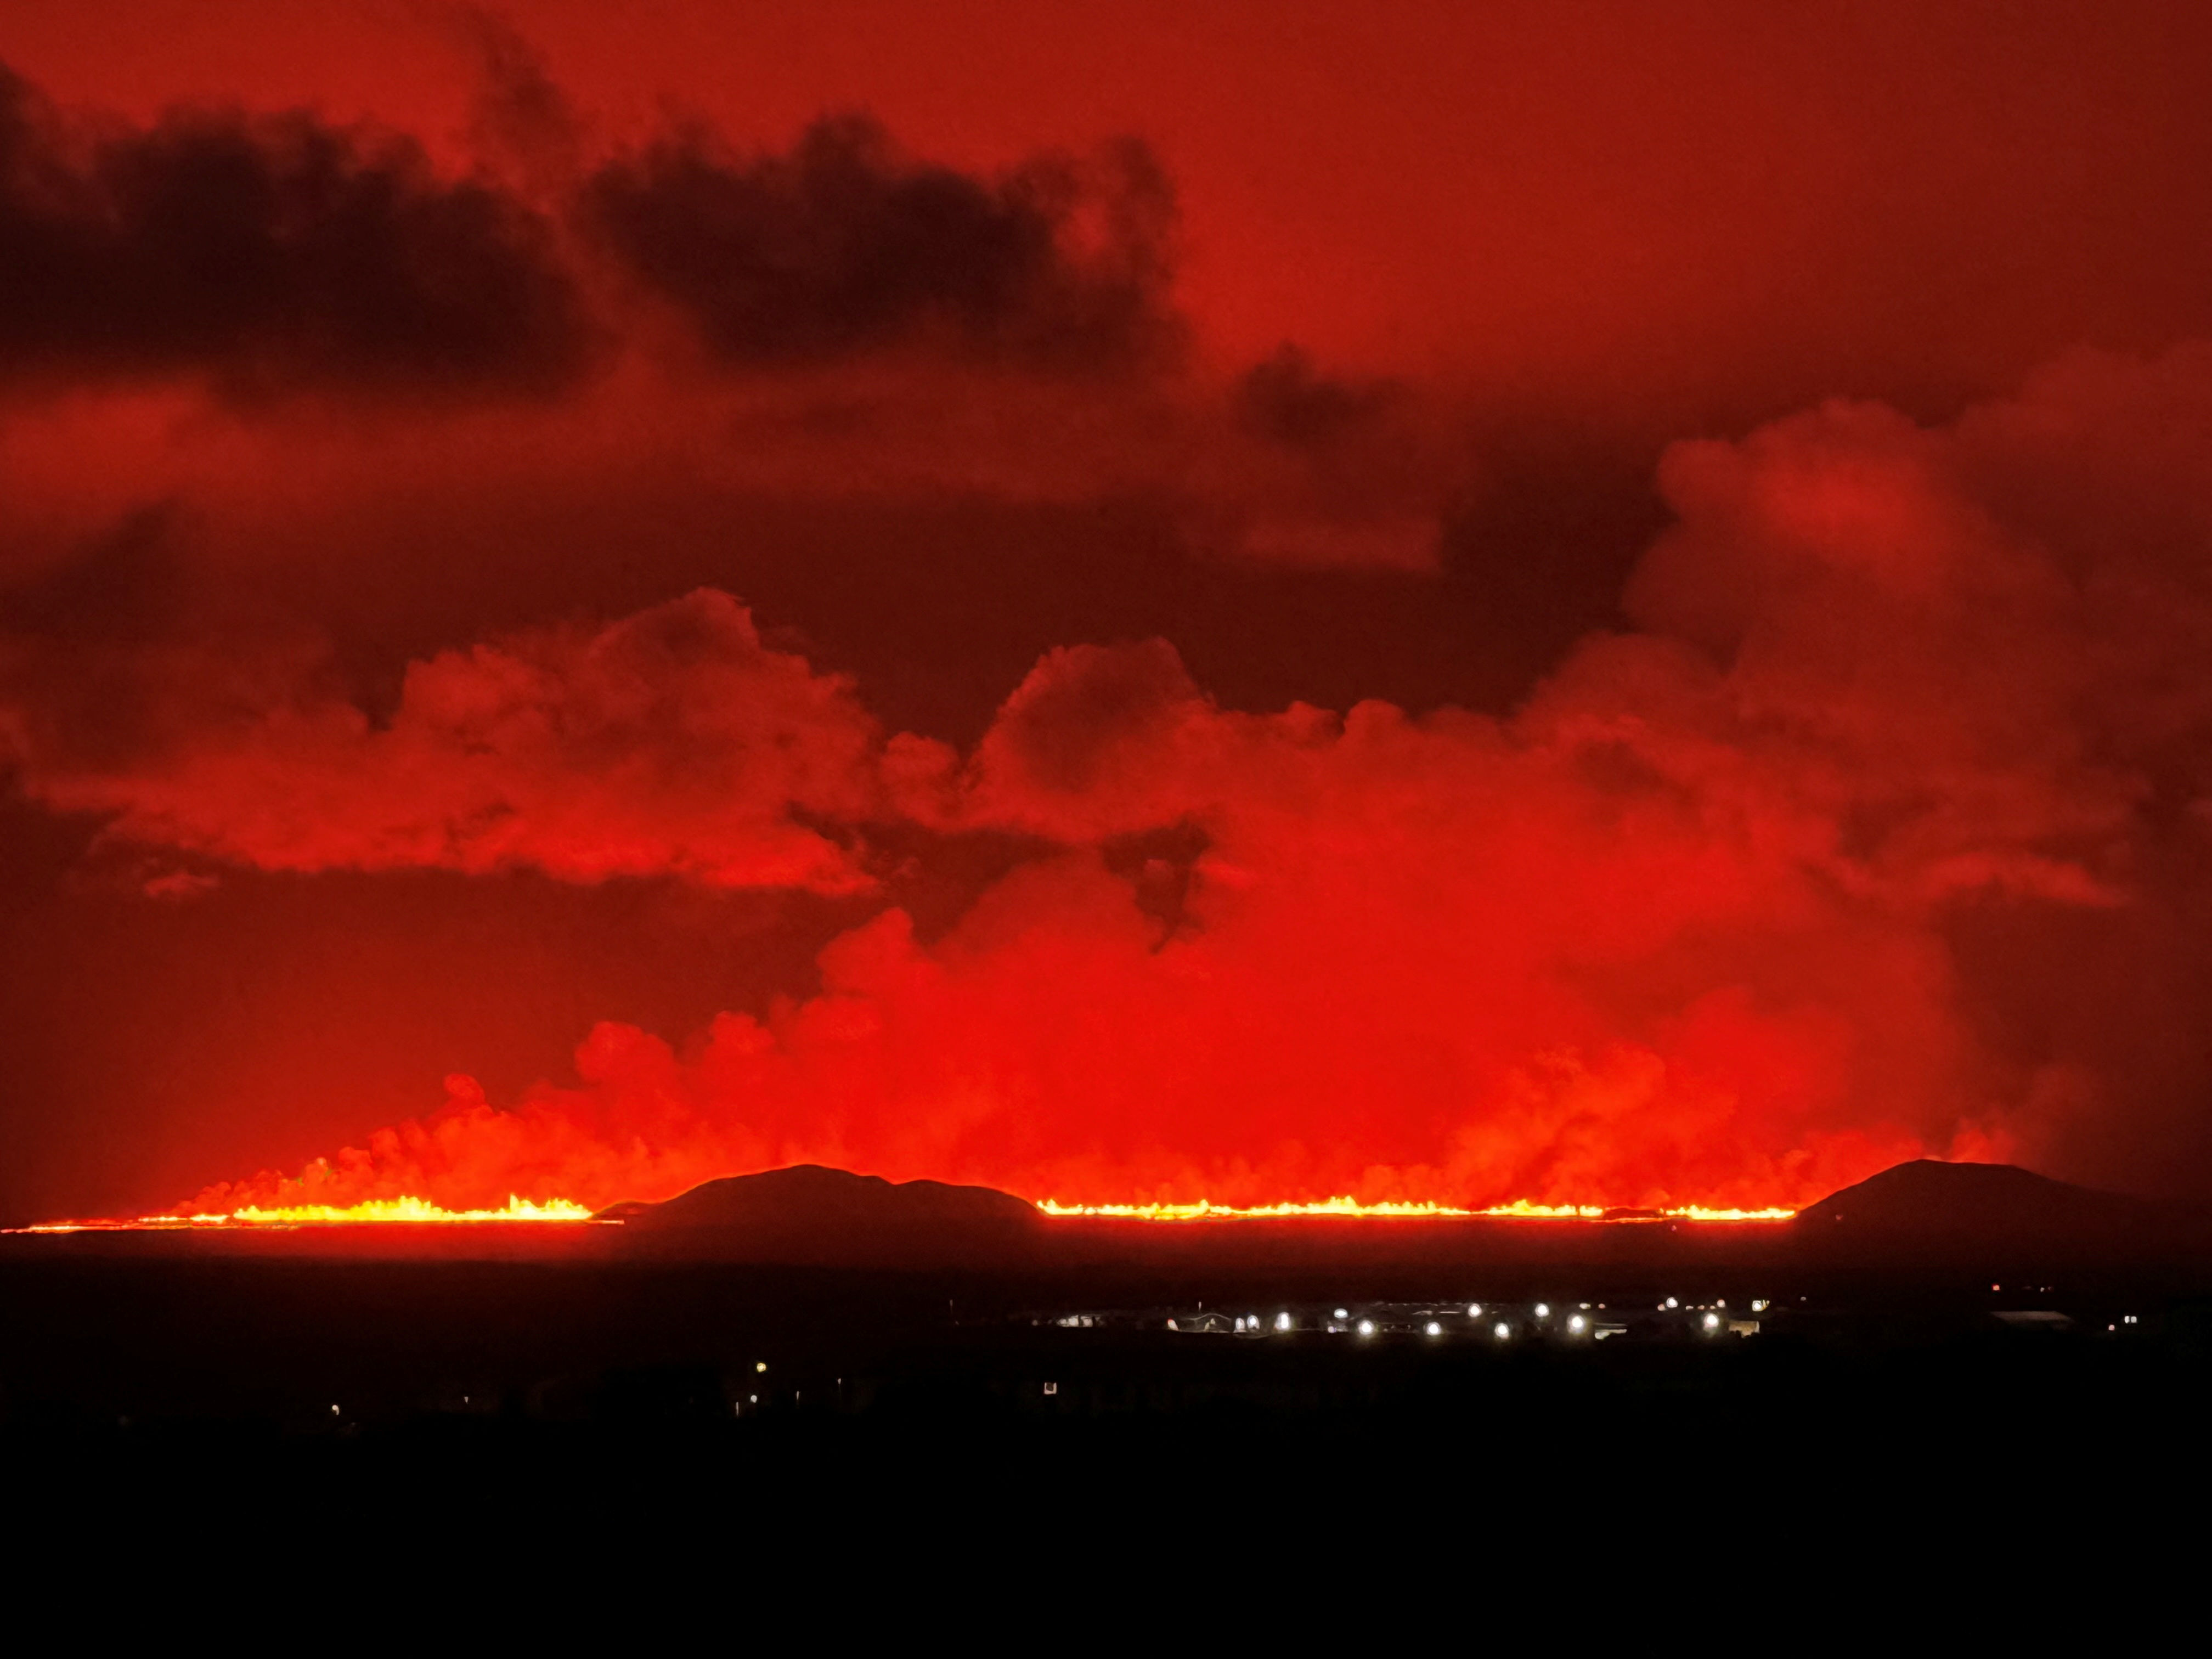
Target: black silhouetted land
<point>1944,1217</point>
<point>812,1195</point>
<point>809,1342</point>
<point>809,1214</point>
<point>1939,1216</point>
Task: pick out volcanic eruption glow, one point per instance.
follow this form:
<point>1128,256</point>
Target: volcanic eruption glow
<point>1873,824</point>
<point>372,1211</point>
<point>1519,1210</point>
<point>1679,934</point>
<point>386,1212</point>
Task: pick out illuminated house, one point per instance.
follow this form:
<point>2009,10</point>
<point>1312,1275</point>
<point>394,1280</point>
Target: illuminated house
<point>1204,1323</point>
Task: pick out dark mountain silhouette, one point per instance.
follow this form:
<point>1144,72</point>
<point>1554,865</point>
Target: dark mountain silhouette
<point>809,1194</point>
<point>1990,1211</point>
<point>1927,1193</point>
<point>1983,1218</point>
<point>811,1213</point>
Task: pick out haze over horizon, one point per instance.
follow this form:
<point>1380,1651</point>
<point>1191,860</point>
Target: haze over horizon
<point>1590,605</point>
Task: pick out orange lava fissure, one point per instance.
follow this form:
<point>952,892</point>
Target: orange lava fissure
<point>418,1211</point>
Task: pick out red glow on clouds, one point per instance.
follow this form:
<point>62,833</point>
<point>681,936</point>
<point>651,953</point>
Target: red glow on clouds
<point>672,743</point>
<point>492,473</point>
<point>1676,931</point>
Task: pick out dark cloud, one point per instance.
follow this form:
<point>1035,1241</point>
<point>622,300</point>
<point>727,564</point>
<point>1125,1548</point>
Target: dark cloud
<point>1286,399</point>
<point>275,251</point>
<point>524,120</point>
<point>270,251</point>
<point>846,245</point>
<point>1881,834</point>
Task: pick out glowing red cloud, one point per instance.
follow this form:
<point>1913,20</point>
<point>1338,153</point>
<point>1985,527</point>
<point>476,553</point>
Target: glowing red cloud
<point>672,742</point>
<point>1684,928</point>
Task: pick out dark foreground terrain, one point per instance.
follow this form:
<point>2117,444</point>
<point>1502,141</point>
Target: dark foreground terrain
<point>1715,1399</point>
<point>770,1404</point>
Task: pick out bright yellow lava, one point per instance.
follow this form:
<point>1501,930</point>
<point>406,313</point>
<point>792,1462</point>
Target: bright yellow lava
<point>411,1209</point>
<point>418,1210</point>
<point>1521,1209</point>
<point>1700,1212</point>
<point>316,1215</point>
<point>1203,1211</point>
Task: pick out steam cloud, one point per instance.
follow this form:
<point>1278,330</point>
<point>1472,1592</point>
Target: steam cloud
<point>1908,759</point>
<point>672,743</point>
<point>1878,829</point>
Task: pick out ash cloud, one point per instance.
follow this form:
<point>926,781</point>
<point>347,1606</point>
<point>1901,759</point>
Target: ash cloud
<point>270,253</point>
<point>275,251</point>
<point>1871,823</point>
<point>1913,746</point>
<point>846,246</point>
<point>839,314</point>
<point>1332,470</point>
<point>1286,399</point>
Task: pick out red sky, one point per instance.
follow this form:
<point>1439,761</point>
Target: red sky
<point>1722,201</point>
<point>1750,785</point>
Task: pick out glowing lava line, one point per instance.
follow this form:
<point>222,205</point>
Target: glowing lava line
<point>376,1210</point>
<point>1203,1211</point>
<point>1701,1212</point>
<point>410,1209</point>
<point>1520,1210</point>
<point>421,1211</point>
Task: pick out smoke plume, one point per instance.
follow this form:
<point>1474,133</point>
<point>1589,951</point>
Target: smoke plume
<point>1909,748</point>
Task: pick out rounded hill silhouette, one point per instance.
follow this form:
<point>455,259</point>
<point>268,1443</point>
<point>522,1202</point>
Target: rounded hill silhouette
<point>808,1212</point>
<point>1990,1212</point>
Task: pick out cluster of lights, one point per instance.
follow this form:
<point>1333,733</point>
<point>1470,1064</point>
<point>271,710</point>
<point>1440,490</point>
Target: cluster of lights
<point>1578,1323</point>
